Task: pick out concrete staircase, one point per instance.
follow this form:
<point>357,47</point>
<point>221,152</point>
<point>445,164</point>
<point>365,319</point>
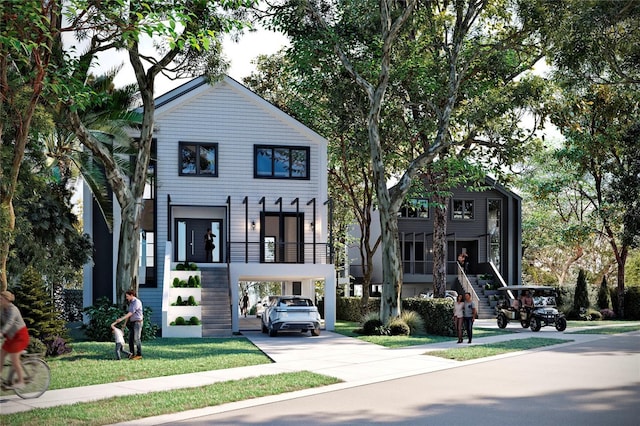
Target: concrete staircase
<point>216,302</point>
<point>485,311</point>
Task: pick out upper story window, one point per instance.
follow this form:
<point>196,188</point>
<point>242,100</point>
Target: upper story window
<point>198,159</point>
<point>463,209</point>
<point>281,162</point>
<point>415,207</point>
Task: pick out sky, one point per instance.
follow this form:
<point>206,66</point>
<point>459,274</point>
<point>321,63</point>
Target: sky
<point>239,54</point>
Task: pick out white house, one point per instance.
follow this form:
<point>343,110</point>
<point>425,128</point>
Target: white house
<point>227,160</point>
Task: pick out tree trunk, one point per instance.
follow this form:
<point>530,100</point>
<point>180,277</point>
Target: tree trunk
<point>7,227</point>
<point>128,251</point>
<point>390,302</point>
<point>440,246</point>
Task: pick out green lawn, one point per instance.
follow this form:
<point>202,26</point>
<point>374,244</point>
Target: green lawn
<point>346,328</point>
<point>162,357</point>
<point>128,408</point>
<point>615,328</point>
<point>482,351</point>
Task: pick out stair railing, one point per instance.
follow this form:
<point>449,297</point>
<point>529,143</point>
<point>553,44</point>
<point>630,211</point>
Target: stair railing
<point>466,285</point>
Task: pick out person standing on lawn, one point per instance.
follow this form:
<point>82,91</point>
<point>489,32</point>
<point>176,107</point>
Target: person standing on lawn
<point>469,313</point>
<point>458,316</point>
<point>134,317</point>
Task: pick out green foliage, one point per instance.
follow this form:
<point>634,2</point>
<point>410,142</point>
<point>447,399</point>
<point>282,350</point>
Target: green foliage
<point>194,321</point>
<point>436,313</point>
<point>351,309</point>
<point>581,296</point>
<point>180,321</point>
<point>604,298</point>
<point>397,327</point>
<point>191,282</point>
<point>413,320</point>
<point>372,327</point>
<point>192,301</point>
<point>104,313</point>
<point>37,309</point>
<point>176,282</point>
<point>632,303</point>
<point>36,346</point>
<point>179,301</point>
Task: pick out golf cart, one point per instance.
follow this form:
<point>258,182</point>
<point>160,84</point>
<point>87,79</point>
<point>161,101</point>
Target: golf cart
<point>541,312</point>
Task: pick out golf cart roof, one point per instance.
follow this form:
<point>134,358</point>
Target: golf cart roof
<point>526,287</point>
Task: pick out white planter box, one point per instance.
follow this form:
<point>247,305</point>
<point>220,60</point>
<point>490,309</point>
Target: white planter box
<point>182,331</point>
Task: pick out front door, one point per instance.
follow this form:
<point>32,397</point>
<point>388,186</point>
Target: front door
<point>190,241</point>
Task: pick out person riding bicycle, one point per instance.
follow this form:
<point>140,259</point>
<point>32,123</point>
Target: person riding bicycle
<point>16,336</point>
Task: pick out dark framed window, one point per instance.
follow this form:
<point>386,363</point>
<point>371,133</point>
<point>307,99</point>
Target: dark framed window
<point>462,209</point>
<point>198,159</point>
<point>415,207</point>
<point>281,162</point>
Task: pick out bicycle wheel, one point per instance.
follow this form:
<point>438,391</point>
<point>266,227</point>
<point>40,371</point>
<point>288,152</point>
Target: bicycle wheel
<point>36,378</point>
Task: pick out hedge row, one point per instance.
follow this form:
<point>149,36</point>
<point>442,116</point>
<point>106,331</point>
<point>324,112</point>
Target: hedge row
<point>436,313</point>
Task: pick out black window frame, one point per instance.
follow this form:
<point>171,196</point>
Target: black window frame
<point>464,201</point>
<point>411,209</point>
<point>198,145</point>
<point>258,147</point>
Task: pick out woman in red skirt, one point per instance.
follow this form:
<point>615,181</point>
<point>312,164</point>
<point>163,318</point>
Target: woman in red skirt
<point>16,336</point>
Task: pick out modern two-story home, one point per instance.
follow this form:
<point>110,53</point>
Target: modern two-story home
<point>227,161</point>
<point>484,225</point>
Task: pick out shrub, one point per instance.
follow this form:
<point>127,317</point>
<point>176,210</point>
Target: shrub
<point>370,327</point>
<point>191,282</point>
<point>413,320</point>
<point>397,327</point>
<point>351,308</point>
<point>36,346</point>
<point>179,301</point>
<point>192,301</point>
<point>180,321</point>
<point>436,313</point>
<point>604,299</point>
<point>57,346</point>
<point>194,321</point>
<point>581,296</point>
<point>176,282</point>
<point>607,314</point>
<point>594,315</point>
<point>103,313</point>
<point>632,303</point>
<point>197,280</point>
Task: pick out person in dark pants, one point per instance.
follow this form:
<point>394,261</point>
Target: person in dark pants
<point>135,318</point>
<point>469,313</point>
<point>208,245</point>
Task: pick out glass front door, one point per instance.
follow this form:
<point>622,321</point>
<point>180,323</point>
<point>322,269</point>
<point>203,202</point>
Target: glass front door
<point>190,240</point>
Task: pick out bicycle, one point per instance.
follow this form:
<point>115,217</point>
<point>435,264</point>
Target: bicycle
<point>36,375</point>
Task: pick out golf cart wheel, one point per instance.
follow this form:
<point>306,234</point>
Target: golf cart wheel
<point>561,324</point>
<point>502,320</point>
<point>525,323</point>
<point>536,325</point>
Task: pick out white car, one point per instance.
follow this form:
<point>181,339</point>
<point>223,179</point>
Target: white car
<point>262,305</point>
<point>290,313</point>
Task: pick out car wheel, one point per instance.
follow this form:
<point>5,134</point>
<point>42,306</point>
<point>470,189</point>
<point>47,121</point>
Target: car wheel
<point>535,324</point>
<point>315,332</point>
<point>524,324</point>
<point>272,332</point>
<point>561,324</point>
<point>502,321</point>
<point>264,328</point>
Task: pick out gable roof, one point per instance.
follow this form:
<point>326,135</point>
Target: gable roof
<point>182,93</point>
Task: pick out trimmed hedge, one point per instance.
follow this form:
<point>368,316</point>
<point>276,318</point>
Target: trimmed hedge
<point>436,313</point>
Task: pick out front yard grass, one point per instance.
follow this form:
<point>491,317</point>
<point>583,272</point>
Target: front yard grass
<point>132,407</point>
<point>346,328</point>
<point>491,349</point>
<point>607,329</point>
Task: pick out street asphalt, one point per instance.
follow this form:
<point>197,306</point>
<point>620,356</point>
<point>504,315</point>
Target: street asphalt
<point>593,379</point>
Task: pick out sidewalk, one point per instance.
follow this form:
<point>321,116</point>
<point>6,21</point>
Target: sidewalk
<point>353,361</point>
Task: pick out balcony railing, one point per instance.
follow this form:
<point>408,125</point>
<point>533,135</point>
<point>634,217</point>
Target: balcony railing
<point>261,252</point>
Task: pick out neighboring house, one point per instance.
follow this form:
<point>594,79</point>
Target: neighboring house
<point>228,160</point>
<point>485,225</point>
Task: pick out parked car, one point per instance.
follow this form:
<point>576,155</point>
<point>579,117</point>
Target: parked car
<point>290,313</point>
<point>543,312</point>
<point>262,304</point>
